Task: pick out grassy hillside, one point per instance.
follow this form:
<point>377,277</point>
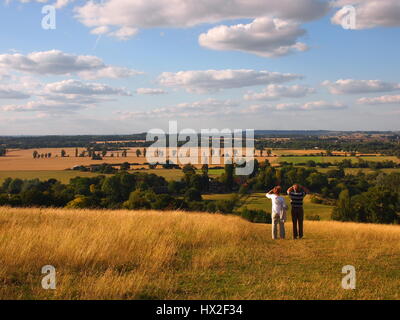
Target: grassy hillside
<point>175,255</point>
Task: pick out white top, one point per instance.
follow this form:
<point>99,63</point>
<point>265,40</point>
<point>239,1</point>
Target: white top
<point>278,205</point>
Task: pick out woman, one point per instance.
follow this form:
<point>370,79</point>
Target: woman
<point>279,208</point>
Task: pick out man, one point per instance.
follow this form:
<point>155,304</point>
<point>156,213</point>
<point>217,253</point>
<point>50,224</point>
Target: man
<point>297,194</point>
<point>278,212</point>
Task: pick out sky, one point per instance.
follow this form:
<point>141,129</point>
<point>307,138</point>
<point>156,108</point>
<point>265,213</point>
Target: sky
<point>129,66</point>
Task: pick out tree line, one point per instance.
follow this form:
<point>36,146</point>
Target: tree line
<point>361,197</point>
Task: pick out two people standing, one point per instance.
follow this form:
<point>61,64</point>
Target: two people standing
<point>279,208</point>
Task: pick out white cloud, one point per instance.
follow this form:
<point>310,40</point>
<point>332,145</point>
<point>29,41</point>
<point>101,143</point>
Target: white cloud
<point>7,92</point>
<point>215,80</point>
<point>109,72</point>
<point>4,75</point>
<point>100,30</point>
<point>57,3</point>
<point>188,13</point>
<point>56,62</point>
<point>380,100</point>
<point>205,108</point>
<point>265,37</point>
<point>310,106</point>
<point>151,91</point>
<point>275,92</point>
<point>124,33</point>
<point>351,86</point>
<point>212,108</point>
<point>65,96</point>
<point>370,13</point>
<point>45,107</point>
<point>77,87</point>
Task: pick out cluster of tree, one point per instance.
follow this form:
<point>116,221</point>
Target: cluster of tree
<point>348,163</point>
<point>379,204</point>
<point>361,197</point>
<point>266,177</point>
<point>37,155</point>
<point>387,164</point>
<point>98,153</point>
<point>367,192</point>
<point>121,190</point>
<point>300,141</point>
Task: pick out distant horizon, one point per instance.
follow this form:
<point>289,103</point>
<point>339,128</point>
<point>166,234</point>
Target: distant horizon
<point>266,131</point>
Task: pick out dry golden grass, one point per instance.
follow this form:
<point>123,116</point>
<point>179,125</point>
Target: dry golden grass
<point>176,255</point>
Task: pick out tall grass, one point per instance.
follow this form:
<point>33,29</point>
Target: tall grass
<point>175,255</point>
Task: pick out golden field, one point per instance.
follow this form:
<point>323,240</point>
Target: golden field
<point>22,160</point>
<point>175,255</point>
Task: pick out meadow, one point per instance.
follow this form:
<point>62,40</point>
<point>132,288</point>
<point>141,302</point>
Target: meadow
<point>176,255</point>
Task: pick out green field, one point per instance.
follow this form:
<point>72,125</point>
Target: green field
<point>258,201</point>
<point>296,160</point>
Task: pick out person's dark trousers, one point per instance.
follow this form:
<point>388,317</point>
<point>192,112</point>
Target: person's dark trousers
<point>297,218</point>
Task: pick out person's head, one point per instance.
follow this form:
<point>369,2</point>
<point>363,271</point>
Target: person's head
<point>296,187</point>
<point>277,190</point>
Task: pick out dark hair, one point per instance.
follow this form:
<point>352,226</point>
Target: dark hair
<point>277,190</point>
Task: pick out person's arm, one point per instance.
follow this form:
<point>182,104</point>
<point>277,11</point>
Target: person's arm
<point>289,190</point>
<point>305,189</point>
<point>268,195</point>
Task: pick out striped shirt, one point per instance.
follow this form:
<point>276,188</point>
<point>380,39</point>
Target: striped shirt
<point>296,199</point>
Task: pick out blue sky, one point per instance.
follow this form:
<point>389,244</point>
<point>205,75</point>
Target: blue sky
<point>281,67</point>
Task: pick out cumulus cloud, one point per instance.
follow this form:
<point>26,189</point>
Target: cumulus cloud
<point>215,80</point>
<point>351,86</point>
<point>56,62</point>
<point>77,87</point>
<point>150,91</point>
<point>310,106</point>
<point>223,108</point>
<point>57,3</point>
<point>67,96</point>
<point>188,13</point>
<point>265,37</point>
<point>6,92</point>
<point>124,33</point>
<point>205,108</point>
<point>380,100</point>
<point>370,13</point>
<point>275,92</point>
<point>46,107</point>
